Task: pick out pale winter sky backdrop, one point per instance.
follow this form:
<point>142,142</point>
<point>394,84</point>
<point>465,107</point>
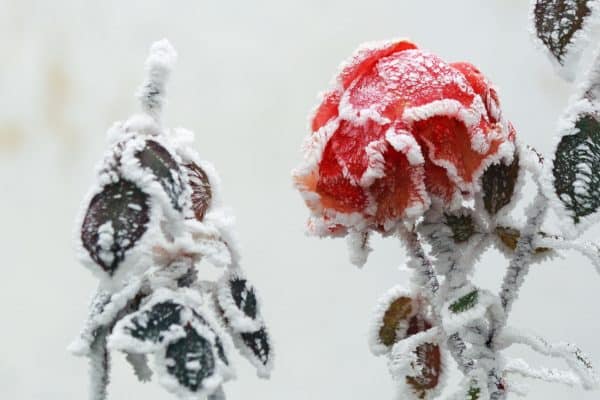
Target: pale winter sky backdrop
<point>248,74</point>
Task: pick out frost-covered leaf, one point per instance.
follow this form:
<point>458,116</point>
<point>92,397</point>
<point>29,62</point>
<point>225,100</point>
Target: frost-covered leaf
<point>428,365</point>
<point>575,169</point>
<point>165,169</point>
<point>162,319</point>
<point>237,298</point>
<point>398,315</point>
<point>400,310</point>
<point>466,305</point>
<point>152,324</point>
<point>462,226</point>
<point>510,237</point>
<point>191,360</point>
<point>563,27</point>
<point>259,349</point>
<point>473,393</point>
<point>498,184</point>
<point>417,363</point>
<point>465,302</point>
<point>201,190</point>
<point>115,220</point>
<point>239,308</point>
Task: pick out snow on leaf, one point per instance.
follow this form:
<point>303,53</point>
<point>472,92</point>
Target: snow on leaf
<point>473,393</point>
<point>395,314</point>
<point>259,344</point>
<point>469,304</point>
<point>563,27</point>
<point>428,364</point>
<point>201,189</point>
<point>398,311</point>
<point>465,302</point>
<point>510,237</point>
<point>462,226</point>
<point>115,220</point>
<point>151,325</point>
<point>418,364</point>
<point>238,300</point>
<point>577,160</point>
<point>165,169</point>
<point>498,184</point>
<point>191,360</point>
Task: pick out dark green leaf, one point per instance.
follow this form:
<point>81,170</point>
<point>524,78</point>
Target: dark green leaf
<point>191,360</point>
<point>473,393</point>
<point>244,297</point>
<point>153,323</point>
<point>576,166</point>
<point>462,227</point>
<point>259,344</point>
<point>165,169</point>
<point>557,21</point>
<point>498,184</point>
<point>465,302</point>
<point>123,207</point>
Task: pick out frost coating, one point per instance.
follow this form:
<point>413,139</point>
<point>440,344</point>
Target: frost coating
<point>565,29</point>
<point>409,146</point>
<point>154,212</point>
<point>399,130</point>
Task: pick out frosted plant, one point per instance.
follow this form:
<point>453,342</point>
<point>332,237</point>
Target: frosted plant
<point>405,144</point>
<point>152,215</point>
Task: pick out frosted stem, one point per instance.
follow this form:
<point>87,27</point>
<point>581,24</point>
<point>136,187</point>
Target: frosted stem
<point>99,366</point>
<point>519,265</point>
<point>425,275</point>
<point>158,68</point>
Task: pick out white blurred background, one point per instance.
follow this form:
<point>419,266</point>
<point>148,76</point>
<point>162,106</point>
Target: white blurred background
<point>248,74</point>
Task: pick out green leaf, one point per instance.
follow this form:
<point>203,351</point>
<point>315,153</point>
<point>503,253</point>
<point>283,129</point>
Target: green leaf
<point>462,227</point>
<point>498,184</point>
<point>557,21</point>
<point>399,310</point>
<point>473,393</point>
<point>244,297</point>
<point>465,302</point>
<point>153,323</point>
<point>576,166</point>
<point>191,360</point>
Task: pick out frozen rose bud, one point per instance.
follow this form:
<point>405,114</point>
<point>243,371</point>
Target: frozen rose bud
<point>400,129</point>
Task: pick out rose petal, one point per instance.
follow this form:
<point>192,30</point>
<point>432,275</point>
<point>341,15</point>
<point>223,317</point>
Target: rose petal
<point>367,56</point>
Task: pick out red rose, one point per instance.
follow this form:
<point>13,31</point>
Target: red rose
<point>399,130</point>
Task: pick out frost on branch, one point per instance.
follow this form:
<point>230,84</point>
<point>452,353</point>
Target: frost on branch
<point>565,28</point>
<point>152,215</point>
